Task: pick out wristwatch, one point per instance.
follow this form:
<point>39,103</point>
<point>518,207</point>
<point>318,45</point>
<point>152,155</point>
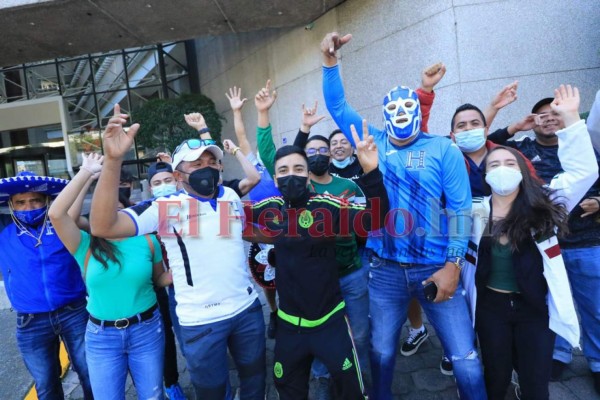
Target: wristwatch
<point>458,261</point>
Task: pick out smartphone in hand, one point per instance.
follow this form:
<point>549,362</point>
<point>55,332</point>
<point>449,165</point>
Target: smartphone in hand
<point>430,291</point>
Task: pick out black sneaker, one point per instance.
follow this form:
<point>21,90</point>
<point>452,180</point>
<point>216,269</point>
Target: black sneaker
<point>413,342</point>
<point>596,377</point>
<point>272,328</point>
<point>446,366</point>
<point>557,369</point>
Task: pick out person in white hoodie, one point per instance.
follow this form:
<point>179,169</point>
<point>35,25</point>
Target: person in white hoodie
<point>520,287</point>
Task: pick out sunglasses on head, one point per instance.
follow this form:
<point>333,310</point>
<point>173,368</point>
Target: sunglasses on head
<point>320,150</point>
<point>193,144</point>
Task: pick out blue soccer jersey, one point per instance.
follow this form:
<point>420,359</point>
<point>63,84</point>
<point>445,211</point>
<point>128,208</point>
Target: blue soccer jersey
<point>427,185</point>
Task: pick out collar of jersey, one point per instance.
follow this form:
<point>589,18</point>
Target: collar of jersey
<point>418,137</point>
<point>212,202</point>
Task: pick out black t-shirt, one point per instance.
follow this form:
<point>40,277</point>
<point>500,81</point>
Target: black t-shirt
<point>235,185</point>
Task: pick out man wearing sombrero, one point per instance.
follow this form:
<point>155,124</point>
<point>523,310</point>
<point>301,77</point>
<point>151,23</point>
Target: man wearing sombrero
<point>43,283</point>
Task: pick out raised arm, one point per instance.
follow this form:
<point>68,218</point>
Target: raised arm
<point>430,77</point>
<point>252,176</point>
<point>236,102</point>
<point>575,150</point>
<point>197,122</point>
<point>105,220</point>
<point>309,119</point>
<point>506,96</point>
<point>64,224</point>
<point>333,90</point>
<point>264,100</point>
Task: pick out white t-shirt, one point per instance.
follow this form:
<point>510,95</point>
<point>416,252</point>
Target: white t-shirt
<point>203,239</point>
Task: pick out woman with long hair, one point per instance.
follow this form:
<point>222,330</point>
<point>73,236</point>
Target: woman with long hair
<point>523,297</point>
<point>124,332</point>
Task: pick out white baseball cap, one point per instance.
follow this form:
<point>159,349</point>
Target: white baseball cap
<point>192,149</point>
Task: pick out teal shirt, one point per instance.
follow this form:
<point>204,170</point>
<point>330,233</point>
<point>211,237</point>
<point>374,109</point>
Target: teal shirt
<point>120,291</point>
<point>502,274</point>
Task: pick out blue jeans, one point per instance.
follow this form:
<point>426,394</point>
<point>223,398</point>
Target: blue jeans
<point>583,269</point>
<point>139,349</point>
<point>355,290</point>
<point>175,318</point>
<point>38,340</point>
<point>206,346</point>
<point>390,289</point>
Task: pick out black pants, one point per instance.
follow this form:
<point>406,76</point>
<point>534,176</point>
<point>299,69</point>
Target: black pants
<point>512,332</point>
<point>295,349</point>
<point>170,373</point>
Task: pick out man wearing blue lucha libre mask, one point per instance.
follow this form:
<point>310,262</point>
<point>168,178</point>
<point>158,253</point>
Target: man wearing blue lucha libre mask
<point>402,113</point>
<point>426,234</point>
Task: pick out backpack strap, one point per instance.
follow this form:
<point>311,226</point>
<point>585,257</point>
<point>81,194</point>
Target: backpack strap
<point>85,263</point>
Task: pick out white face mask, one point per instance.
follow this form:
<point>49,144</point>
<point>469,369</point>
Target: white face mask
<point>164,190</point>
<point>470,141</point>
<point>504,180</point>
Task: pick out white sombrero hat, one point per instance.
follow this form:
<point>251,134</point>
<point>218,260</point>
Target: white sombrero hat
<point>29,182</point>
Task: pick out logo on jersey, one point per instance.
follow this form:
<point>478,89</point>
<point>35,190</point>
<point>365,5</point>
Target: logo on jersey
<point>278,370</point>
<point>305,219</point>
<point>415,159</point>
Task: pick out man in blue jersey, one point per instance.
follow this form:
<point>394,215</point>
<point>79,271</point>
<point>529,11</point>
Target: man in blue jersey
<point>43,283</point>
<point>425,236</point>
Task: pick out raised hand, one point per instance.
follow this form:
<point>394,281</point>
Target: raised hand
<point>504,97</point>
<point>432,75</point>
<point>264,99</point>
<point>234,96</point>
<point>310,117</point>
<point>116,141</point>
<point>92,163</point>
<point>229,146</point>
<point>566,103</point>
<point>331,43</point>
<point>195,120</point>
<point>526,124</point>
<point>164,157</point>
<point>366,149</point>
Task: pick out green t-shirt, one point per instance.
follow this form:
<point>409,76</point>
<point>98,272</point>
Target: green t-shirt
<point>120,291</point>
<point>346,249</point>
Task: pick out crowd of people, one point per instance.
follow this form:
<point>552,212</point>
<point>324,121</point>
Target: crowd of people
<point>352,234</point>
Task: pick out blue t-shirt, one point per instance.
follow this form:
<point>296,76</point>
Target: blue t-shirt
<point>427,185</point>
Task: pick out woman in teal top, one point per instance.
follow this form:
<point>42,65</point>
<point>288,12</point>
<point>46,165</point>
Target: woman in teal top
<point>125,331</point>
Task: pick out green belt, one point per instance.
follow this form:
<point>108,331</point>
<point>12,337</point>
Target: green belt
<point>307,323</point>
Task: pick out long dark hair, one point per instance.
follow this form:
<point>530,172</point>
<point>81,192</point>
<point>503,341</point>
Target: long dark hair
<point>103,250</point>
<point>531,209</point>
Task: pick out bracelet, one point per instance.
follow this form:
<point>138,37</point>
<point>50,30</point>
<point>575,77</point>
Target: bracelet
<point>203,130</point>
<point>235,150</point>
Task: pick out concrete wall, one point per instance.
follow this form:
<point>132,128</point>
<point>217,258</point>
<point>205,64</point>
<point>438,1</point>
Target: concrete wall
<point>484,44</point>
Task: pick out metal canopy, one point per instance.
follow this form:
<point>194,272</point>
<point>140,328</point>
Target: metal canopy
<point>34,30</point>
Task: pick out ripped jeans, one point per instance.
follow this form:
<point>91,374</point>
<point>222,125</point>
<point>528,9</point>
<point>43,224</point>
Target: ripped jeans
<point>391,287</point>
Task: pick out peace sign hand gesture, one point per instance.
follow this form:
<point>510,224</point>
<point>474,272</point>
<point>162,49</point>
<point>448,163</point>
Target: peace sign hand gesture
<point>366,149</point>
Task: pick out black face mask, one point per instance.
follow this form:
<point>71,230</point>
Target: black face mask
<point>125,191</point>
<point>293,187</point>
<point>205,180</point>
<point>318,164</point>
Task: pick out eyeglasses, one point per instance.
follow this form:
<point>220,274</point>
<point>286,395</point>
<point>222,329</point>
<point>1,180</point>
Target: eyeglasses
<point>320,150</point>
<point>193,144</point>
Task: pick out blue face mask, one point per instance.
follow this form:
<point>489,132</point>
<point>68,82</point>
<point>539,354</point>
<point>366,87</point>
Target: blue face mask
<point>31,217</point>
<point>343,163</point>
<point>164,190</point>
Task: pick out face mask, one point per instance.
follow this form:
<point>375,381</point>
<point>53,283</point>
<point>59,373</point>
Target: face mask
<point>205,180</point>
<point>402,113</point>
<point>504,180</point>
<point>31,217</point>
<point>318,164</point>
<point>470,141</point>
<point>164,190</point>
<point>343,163</point>
<point>125,191</point>
<point>293,187</point>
